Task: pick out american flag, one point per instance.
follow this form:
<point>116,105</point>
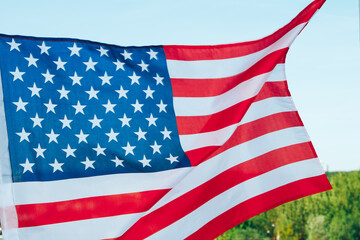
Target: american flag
<point>160,142</point>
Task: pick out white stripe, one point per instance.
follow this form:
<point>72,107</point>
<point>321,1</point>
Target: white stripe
<point>93,229</point>
<point>268,107</point>
<point>200,106</point>
<point>256,111</point>
<point>227,67</point>
<point>53,191</point>
<point>232,157</point>
<point>8,211</point>
<point>277,74</point>
<point>238,194</point>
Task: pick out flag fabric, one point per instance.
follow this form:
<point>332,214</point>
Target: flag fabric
<point>159,142</point>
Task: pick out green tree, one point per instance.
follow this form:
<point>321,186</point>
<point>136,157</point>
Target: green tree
<point>342,227</point>
<point>316,228</point>
<point>243,234</point>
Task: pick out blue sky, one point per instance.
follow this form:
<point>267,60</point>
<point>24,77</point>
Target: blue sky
<point>323,65</point>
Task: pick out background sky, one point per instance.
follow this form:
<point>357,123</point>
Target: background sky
<point>323,65</point>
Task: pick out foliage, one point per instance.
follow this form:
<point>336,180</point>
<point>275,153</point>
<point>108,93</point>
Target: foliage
<point>332,215</point>
<point>316,228</point>
<point>244,234</point>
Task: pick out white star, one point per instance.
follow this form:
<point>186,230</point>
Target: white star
<point>166,133</point>
<point>63,93</point>
<point>122,92</point>
<point>44,48</point>
<point>39,151</point>
<point>105,79</point>
<point>48,76</point>
<point>17,74</point>
<point>69,151</point>
<point>76,79</point>
<point>125,120</point>
<point>145,162</point>
<point>92,93</point>
<point>66,122</point>
<point>37,121</point>
<point>129,149</point>
<point>50,106</point>
<point>152,54</point>
<point>112,135</point>
<point>156,148</point>
<point>159,80</point>
<point>118,162</point>
<point>95,122</point>
<point>172,159</point>
<point>144,66</point>
<point>119,65</point>
<point>20,105</point>
<point>34,90</point>
<point>140,134</point>
<point>27,166</point>
<point>74,50</point>
<point>14,45</point>
<point>31,60</point>
<point>151,120</point>
<point>137,106</point>
<point>88,163</point>
<point>109,107</point>
<point>60,64</point>
<point>56,165</point>
<point>99,150</point>
<point>23,135</point>
<point>82,137</point>
<point>149,93</point>
<point>79,108</point>
<point>134,79</point>
<point>161,106</point>
<point>90,64</point>
<point>103,51</point>
<point>126,55</point>
<point>52,136</point>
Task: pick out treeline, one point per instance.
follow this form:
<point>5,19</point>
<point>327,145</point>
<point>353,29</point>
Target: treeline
<point>332,215</point>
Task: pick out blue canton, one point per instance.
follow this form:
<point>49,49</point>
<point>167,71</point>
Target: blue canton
<point>77,109</point>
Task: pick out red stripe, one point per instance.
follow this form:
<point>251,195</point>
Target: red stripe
<point>87,208</point>
<point>185,204</point>
<point>227,117</point>
<point>216,121</point>
<point>245,133</point>
<point>273,89</point>
<point>261,203</point>
<point>217,86</point>
<point>188,53</point>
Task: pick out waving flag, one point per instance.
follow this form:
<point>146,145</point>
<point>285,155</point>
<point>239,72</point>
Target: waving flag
<point>159,142</point>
